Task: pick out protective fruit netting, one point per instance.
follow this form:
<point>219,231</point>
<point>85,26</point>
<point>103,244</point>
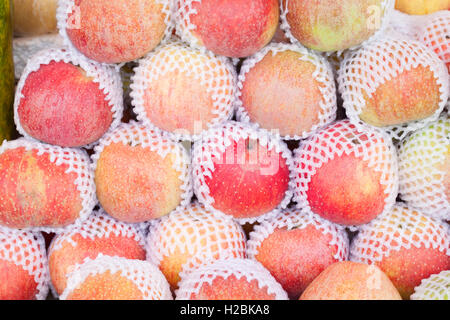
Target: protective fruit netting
<point>215,74</point>
<point>212,146</point>
<point>108,79</point>
<point>197,232</point>
<point>422,175</point>
<point>370,144</point>
<point>77,162</point>
<point>362,71</point>
<point>291,219</point>
<point>323,75</point>
<point>26,249</point>
<point>402,228</point>
<point>144,275</point>
<point>247,269</point>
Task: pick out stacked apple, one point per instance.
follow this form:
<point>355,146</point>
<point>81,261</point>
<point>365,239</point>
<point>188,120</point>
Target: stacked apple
<point>236,176</point>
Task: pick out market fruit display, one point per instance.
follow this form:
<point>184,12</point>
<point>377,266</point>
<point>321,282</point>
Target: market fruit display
<point>225,150</point>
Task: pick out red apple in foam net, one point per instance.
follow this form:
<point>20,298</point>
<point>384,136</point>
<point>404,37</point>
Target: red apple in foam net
<point>233,28</point>
<point>61,103</point>
<point>248,178</point>
<point>346,175</point>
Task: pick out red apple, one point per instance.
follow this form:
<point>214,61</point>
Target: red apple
<point>61,105</point>
<point>232,279</point>
<point>38,191</point>
<point>338,183</point>
<point>23,263</point>
<point>406,244</point>
<point>247,179</point>
<point>116,31</point>
<point>296,247</point>
<point>233,28</point>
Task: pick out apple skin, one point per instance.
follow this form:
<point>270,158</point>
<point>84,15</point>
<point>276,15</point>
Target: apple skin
<point>347,191</point>
<point>331,25</point>
<point>408,267</point>
<point>232,288</point>
<point>280,92</point>
<point>296,257</point>
<point>243,187</point>
<point>62,106</point>
<point>62,261</point>
<point>235,28</point>
<point>106,286</point>
<point>117,31</point>
<point>421,7</point>
<point>351,281</point>
<point>16,283</point>
<point>412,95</point>
<point>135,184</point>
<point>36,192</point>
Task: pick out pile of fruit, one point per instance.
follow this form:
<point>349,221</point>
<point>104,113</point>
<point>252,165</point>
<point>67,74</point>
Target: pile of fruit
<point>240,149</point>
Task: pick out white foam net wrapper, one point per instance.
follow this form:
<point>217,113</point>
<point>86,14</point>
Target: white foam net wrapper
<point>108,80</point>
<point>323,74</point>
<point>196,231</point>
<point>295,219</point>
<point>436,287</point>
<point>422,159</point>
<point>387,7</point>
<point>212,146</point>
<point>247,269</point>
<point>402,228</point>
<point>25,48</point>
<point>65,7</point>
<point>432,29</point>
<point>76,160</point>
<point>136,134</point>
<point>382,60</point>
<point>147,277</point>
<point>99,225</point>
<point>369,144</point>
<point>215,74</point>
<point>26,250</point>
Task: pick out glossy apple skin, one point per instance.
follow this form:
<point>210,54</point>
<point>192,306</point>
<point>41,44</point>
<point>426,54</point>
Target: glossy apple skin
<point>16,283</point>
<point>62,106</point>
<point>332,25</point>
<point>235,28</point>
<point>250,182</point>
<point>135,184</point>
<point>347,191</point>
<point>296,257</point>
<point>351,281</point>
<point>116,31</point>
<point>408,267</point>
<point>421,7</point>
<point>36,192</point>
<point>62,261</point>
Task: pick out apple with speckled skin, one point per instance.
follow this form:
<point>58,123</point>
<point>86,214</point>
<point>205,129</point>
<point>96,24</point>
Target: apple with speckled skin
<point>421,7</point>
<point>234,28</point>
<point>61,105</point>
<point>248,179</point>
<point>72,247</point>
<point>116,31</point>
<point>36,192</point>
<point>333,25</point>
<point>351,281</point>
